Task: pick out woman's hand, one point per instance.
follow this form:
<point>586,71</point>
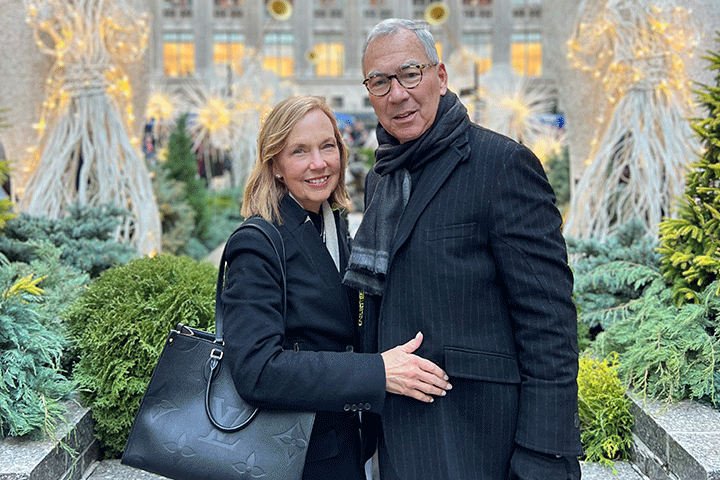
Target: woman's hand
<point>408,374</point>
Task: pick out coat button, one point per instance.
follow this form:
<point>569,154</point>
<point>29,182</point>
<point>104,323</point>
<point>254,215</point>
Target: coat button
<point>350,348</point>
<point>354,407</point>
<point>367,406</point>
<point>346,407</point>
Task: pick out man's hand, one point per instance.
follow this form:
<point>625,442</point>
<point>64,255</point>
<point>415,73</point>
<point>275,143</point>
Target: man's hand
<point>413,376</point>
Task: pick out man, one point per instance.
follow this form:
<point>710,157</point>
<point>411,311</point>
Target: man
<point>461,241</point>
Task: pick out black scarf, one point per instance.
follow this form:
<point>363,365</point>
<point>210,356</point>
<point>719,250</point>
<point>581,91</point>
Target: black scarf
<point>394,162</point>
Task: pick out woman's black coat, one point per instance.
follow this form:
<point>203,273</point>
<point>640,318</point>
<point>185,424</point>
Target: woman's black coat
<point>307,362</point>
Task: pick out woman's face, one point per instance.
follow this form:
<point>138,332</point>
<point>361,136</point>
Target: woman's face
<point>310,162</point>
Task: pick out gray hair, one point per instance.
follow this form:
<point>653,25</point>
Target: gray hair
<point>393,25</point>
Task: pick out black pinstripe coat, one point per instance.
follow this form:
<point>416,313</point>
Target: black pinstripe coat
<point>479,265</point>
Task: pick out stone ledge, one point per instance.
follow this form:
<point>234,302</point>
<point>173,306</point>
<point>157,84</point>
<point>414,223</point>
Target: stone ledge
<point>43,460</point>
<point>676,441</point>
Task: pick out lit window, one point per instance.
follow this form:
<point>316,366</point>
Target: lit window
<point>330,59</point>
<point>480,48</point>
<point>228,49</point>
<point>526,54</point>
<point>278,50</point>
<point>178,54</point>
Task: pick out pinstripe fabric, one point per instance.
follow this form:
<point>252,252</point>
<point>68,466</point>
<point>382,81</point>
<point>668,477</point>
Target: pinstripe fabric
<point>479,266</point>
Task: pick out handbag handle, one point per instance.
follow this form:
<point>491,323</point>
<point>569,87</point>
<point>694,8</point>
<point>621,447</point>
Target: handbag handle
<point>216,354</point>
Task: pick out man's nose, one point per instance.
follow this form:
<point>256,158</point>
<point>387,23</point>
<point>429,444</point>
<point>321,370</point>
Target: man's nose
<point>397,91</point>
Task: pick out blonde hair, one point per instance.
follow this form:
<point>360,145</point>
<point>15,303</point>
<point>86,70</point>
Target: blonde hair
<point>263,191</point>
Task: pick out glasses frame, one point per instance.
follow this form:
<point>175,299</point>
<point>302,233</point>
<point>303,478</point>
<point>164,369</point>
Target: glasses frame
<point>420,67</point>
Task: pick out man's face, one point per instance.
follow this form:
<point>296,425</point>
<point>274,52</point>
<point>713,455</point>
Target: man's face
<point>405,113</point>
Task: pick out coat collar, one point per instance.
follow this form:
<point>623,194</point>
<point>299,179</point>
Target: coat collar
<point>298,223</point>
<point>434,175</point>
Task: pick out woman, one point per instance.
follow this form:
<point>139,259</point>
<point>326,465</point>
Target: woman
<point>308,362</point>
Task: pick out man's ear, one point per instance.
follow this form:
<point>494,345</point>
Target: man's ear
<point>443,76</point>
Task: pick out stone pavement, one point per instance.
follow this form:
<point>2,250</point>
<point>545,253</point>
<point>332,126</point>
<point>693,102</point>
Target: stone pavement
<point>113,470</point>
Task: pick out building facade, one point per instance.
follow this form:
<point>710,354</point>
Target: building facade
<point>318,43</point>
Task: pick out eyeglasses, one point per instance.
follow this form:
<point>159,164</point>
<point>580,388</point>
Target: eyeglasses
<point>409,77</point>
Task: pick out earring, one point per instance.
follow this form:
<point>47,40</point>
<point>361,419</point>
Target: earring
<point>278,176</point>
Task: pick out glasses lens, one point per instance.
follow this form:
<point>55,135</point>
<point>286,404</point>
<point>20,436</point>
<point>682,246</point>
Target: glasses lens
<point>409,77</point>
<point>379,85</point>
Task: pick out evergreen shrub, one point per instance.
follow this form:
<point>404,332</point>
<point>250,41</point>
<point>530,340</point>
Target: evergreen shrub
<point>558,173</point>
<point>177,217</point>
<point>605,419</point>
<point>120,324</point>
<point>611,275</point>
<point>181,165</point>
<point>667,351</point>
<point>690,244</point>
<point>32,342</point>
<point>85,237</point>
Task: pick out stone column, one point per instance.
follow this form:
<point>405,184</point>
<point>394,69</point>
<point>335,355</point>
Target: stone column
<point>302,22</point>
<point>203,33</point>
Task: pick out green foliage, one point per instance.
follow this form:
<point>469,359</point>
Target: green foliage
<point>120,324</point>
<point>668,351</point>
<point>181,165</point>
<point>32,342</point>
<point>690,244</point>
<point>558,173</point>
<point>664,350</point>
<point>611,275</point>
<point>224,207</point>
<point>177,217</point>
<point>366,156</point>
<point>84,236</point>
<point>605,419</point>
<point>6,206</point>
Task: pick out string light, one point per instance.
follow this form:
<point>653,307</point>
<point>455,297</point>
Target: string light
<point>638,51</point>
<point>87,110</point>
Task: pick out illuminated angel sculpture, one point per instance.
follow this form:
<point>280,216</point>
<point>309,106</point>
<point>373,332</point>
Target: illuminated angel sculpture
<point>644,141</point>
<point>85,155</point>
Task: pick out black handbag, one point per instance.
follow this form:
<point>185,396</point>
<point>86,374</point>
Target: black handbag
<point>193,425</point>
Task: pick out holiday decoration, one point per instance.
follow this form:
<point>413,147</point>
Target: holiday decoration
<point>638,50</point>
<point>515,107</point>
<point>85,155</point>
<point>226,116</point>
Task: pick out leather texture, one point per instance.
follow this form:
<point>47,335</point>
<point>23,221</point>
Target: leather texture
<point>191,393</point>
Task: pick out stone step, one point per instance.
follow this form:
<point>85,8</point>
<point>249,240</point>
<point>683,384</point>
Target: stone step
<point>672,442</point>
<point>22,459</point>
<point>676,441</point>
<point>113,470</point>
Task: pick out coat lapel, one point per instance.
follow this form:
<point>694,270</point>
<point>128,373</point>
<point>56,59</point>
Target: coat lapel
<point>432,178</point>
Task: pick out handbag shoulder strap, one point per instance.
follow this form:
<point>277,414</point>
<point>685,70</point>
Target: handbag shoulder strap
<point>276,241</point>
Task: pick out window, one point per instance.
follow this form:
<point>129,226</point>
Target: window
<point>177,8</point>
<point>278,51</point>
<point>330,59</point>
<point>479,45</point>
<point>337,102</point>
<point>228,50</point>
<point>526,54</point>
<point>178,54</point>
<point>228,9</point>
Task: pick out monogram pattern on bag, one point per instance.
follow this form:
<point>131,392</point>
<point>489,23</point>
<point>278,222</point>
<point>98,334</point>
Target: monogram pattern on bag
<point>248,467</point>
<point>293,441</point>
<point>160,407</point>
<point>180,448</point>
